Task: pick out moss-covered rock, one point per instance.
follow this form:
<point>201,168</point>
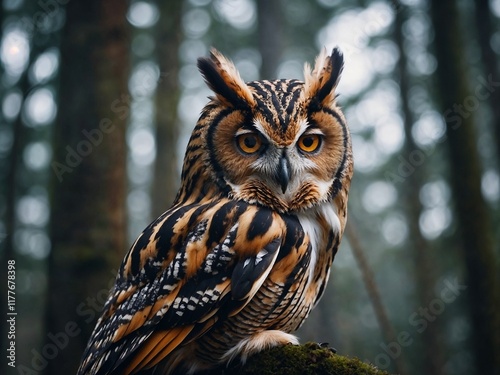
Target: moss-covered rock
<point>307,359</point>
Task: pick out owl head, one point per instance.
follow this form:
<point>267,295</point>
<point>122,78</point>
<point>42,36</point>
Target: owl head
<point>282,144</point>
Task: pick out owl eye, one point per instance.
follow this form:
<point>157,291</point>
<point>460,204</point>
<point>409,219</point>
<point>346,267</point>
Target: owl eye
<point>309,142</point>
<point>249,143</point>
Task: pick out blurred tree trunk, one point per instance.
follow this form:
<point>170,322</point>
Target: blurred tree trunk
<point>28,323</point>
<point>387,329</point>
<point>432,359</point>
<point>9,189</point>
<point>485,31</point>
<point>166,170</point>
<point>88,211</point>
<point>8,186</point>
<point>5,247</point>
<point>17,185</point>
<point>270,35</point>
<point>465,168</point>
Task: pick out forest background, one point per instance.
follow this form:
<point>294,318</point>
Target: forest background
<point>97,101</point>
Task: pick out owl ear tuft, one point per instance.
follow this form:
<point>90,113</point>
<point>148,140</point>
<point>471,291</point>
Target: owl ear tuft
<point>224,80</point>
<point>320,82</point>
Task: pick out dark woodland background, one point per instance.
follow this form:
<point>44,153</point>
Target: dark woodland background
<point>98,99</point>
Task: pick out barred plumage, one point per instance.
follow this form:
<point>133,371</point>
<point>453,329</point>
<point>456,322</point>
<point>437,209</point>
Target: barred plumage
<point>244,253</point>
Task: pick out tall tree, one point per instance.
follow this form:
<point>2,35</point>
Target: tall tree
<point>8,186</point>
<point>465,171</point>
<point>370,284</point>
<point>19,179</point>
<point>270,35</point>
<point>166,171</point>
<point>485,31</point>
<point>424,265</point>
<point>88,211</point>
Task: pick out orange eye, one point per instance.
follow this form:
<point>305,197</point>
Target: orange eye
<point>249,143</point>
<point>309,142</point>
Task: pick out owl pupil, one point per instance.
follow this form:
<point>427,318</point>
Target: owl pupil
<point>308,141</point>
<point>250,142</point>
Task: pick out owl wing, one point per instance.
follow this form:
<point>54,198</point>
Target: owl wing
<point>188,269</point>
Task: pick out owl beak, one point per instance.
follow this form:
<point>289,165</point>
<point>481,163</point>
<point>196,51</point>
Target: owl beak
<point>283,173</point>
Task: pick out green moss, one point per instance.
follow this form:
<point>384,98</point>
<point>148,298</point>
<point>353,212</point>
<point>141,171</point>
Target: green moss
<point>307,359</point>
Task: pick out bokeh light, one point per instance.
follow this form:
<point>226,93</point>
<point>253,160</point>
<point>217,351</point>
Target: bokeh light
<point>45,66</point>
<point>490,185</point>
<point>428,129</point>
<point>395,229</point>
<point>143,14</point>
<point>37,155</point>
<point>11,104</point>
<point>144,79</point>
<point>379,196</point>
<point>141,143</point>
<point>32,242</point>
<point>14,51</point>
<point>33,210</point>
<point>40,107</point>
<point>241,14</point>
<point>196,23</point>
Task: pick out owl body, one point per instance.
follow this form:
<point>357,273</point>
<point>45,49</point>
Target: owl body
<point>245,252</point>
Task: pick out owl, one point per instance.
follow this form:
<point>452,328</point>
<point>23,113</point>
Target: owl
<point>244,253</point>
